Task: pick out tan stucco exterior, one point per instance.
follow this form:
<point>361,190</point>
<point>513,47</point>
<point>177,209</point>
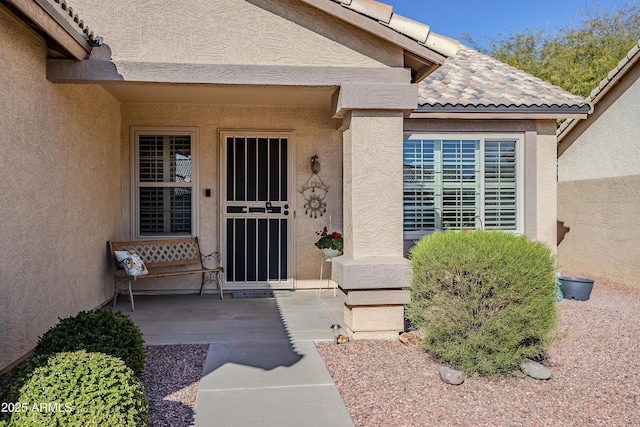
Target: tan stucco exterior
<point>338,90</point>
<point>605,145</point>
<point>294,47</point>
<point>314,133</point>
<point>598,188</point>
<point>61,192</point>
<point>601,215</point>
<point>233,32</point>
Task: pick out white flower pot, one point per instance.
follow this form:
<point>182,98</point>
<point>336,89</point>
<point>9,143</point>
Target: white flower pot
<point>330,253</point>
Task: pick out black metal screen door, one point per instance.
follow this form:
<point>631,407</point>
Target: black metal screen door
<point>256,211</point>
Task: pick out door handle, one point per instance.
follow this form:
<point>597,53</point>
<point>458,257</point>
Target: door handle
<point>236,209</point>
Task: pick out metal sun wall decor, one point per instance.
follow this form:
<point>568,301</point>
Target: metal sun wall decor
<point>314,191</point>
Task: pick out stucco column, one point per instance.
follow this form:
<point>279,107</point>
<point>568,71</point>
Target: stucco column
<point>540,184</point>
<point>372,274</point>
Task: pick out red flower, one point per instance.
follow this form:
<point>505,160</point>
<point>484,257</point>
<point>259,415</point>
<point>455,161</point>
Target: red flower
<point>335,234</point>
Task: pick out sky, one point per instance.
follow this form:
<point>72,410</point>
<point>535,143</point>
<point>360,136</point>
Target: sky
<point>497,19</point>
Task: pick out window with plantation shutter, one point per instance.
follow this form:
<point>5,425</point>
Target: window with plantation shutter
<point>164,182</point>
<point>500,185</point>
<point>454,182</point>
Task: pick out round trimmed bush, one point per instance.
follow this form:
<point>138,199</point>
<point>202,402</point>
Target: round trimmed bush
<point>100,331</point>
<point>78,389</point>
<point>484,300</point>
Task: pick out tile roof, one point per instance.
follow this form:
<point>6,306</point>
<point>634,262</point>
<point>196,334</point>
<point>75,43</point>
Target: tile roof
<point>603,87</point>
<point>66,33</point>
<point>475,82</point>
<point>61,10</point>
<point>417,31</point>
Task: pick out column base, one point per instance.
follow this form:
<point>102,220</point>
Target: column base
<point>374,322</point>
<point>374,293</point>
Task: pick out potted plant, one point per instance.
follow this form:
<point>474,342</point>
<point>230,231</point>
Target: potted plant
<point>576,288</point>
<point>330,243</point>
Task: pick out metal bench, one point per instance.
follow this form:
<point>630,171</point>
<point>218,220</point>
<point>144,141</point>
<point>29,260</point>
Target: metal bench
<point>166,258</point>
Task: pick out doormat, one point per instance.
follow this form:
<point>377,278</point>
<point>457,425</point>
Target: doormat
<point>260,294</point>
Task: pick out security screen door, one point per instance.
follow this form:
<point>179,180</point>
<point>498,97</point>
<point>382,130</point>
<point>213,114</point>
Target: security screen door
<point>256,211</point>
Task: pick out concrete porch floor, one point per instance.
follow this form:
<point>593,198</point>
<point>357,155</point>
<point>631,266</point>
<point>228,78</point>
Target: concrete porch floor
<point>262,368</point>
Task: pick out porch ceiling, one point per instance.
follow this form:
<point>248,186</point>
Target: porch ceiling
<point>299,96</point>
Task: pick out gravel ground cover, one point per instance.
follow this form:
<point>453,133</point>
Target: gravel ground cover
<point>595,375</point>
<point>171,377</point>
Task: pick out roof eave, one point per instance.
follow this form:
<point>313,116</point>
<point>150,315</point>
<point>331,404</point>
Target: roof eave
<point>421,59</point>
<point>63,32</point>
<point>500,112</point>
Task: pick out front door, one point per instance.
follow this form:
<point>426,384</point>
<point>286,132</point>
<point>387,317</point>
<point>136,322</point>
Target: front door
<point>256,211</point>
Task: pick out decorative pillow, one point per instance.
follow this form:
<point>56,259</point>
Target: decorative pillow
<point>131,262</point>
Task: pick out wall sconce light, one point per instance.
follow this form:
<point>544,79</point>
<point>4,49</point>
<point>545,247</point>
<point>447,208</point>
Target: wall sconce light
<point>315,164</point>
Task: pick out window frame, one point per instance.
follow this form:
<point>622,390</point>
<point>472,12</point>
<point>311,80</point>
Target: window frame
<point>135,133</point>
<point>481,137</point>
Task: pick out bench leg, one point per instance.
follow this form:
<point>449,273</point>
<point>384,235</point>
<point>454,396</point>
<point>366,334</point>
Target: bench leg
<point>217,278</point>
<point>133,308</point>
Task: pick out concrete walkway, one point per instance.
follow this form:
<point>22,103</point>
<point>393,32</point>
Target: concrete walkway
<point>262,368</point>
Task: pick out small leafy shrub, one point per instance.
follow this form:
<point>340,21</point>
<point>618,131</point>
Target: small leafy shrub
<point>77,389</point>
<point>100,331</point>
<point>484,300</point>
<point>13,382</point>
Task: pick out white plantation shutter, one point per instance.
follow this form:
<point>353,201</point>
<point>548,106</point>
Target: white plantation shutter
<point>164,184</point>
<point>460,200</point>
<point>453,183</point>
<point>419,185</point>
<point>500,185</point>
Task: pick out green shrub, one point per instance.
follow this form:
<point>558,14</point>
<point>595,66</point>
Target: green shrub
<point>77,389</point>
<point>484,300</point>
<point>12,382</point>
<point>100,331</point>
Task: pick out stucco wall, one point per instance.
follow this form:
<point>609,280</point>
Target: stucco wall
<point>314,132</point>
<point>599,178</point>
<point>606,145</point>
<point>603,236</point>
<point>373,188</point>
<point>232,32</point>
<point>61,191</point>
<point>545,208</point>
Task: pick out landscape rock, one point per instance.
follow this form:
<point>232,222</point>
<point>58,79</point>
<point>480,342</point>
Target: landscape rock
<point>411,338</point>
<point>451,376</point>
<point>535,370</point>
<point>342,339</point>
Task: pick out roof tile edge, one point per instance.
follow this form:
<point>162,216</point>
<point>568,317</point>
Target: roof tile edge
<point>68,13</point>
<point>415,30</point>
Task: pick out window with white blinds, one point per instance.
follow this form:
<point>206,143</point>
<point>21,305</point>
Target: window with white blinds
<point>455,182</point>
<point>164,183</point>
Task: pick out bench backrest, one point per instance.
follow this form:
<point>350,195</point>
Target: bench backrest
<point>163,253</point>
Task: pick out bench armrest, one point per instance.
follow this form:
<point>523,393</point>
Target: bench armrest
<point>211,260</point>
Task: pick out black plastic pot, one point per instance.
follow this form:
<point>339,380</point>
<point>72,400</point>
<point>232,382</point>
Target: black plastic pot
<point>577,288</point>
